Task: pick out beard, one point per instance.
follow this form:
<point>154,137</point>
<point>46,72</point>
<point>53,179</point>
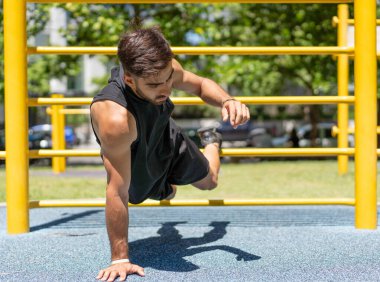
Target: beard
<point>156,101</point>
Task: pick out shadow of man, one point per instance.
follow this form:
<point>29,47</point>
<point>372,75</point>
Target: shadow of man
<point>167,251</point>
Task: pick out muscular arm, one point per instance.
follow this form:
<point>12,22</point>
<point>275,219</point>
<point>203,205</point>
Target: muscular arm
<point>210,92</point>
<point>116,130</point>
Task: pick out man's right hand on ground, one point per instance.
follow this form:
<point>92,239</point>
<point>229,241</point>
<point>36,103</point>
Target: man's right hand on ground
<point>121,270</point>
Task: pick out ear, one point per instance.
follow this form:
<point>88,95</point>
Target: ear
<point>128,80</point>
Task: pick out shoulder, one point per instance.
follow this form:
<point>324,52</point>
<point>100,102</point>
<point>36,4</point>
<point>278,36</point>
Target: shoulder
<point>113,122</point>
<point>112,92</point>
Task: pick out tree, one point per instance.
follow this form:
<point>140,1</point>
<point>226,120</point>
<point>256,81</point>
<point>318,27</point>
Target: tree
<point>215,25</point>
<point>101,25</point>
<point>37,19</point>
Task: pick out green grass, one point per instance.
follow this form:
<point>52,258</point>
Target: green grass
<point>271,179</point>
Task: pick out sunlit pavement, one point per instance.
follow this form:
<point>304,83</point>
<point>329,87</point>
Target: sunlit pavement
<point>285,243</point>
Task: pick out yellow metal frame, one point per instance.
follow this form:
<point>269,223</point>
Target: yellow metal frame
<point>58,135</point>
<point>16,103</point>
<point>35,102</point>
<point>335,131</point>
<point>365,114</point>
<point>183,203</point>
<point>16,116</point>
<point>189,1</point>
<point>333,50</point>
<point>342,79</point>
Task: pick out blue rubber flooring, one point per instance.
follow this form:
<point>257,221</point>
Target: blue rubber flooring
<point>275,243</point>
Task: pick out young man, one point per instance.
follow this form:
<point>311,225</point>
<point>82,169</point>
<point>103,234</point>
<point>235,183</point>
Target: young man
<point>144,153</point>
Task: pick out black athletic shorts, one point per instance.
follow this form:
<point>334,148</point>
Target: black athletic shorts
<point>188,164</point>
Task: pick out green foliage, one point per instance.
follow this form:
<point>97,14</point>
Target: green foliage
<point>38,78</point>
<point>202,24</point>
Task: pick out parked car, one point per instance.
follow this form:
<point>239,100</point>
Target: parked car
<point>245,135</point>
<point>324,137</point>
<point>260,138</point>
<point>40,136</point>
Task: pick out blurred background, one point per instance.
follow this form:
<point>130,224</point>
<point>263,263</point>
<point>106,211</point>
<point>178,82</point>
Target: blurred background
<point>193,25</point>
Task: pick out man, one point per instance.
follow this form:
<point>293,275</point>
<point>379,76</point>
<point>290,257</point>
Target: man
<point>144,153</point>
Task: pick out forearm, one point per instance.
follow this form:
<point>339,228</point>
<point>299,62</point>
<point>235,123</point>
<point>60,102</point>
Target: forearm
<point>117,221</point>
<point>212,93</point>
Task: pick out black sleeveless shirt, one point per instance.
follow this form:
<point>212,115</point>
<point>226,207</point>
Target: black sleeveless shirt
<point>153,149</point>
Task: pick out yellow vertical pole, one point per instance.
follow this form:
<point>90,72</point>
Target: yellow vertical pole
<point>16,116</point>
<point>342,87</point>
<point>365,114</point>
<point>62,138</point>
<point>58,135</point>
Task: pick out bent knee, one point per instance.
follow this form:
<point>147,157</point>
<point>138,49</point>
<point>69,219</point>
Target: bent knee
<point>212,185</point>
<point>208,183</point>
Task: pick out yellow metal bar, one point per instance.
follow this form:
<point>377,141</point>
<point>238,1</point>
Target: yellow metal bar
<point>241,152</point>
<point>365,114</point>
<point>234,152</point>
<point>191,1</point>
<point>351,22</point>
<point>16,116</point>
<point>273,100</point>
<point>335,21</point>
<point>335,130</point>
<point>331,50</point>
<point>34,154</point>
<point>343,67</point>
<point>34,102</point>
<point>58,135</point>
<point>210,202</point>
<point>70,111</point>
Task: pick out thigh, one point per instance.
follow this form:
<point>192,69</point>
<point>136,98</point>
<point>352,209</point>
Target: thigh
<point>189,164</point>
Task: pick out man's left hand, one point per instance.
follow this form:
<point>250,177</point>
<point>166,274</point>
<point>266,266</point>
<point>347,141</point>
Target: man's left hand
<point>237,112</point>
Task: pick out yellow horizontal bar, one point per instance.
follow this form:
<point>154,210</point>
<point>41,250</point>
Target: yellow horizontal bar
<point>259,50</point>
<point>274,100</point>
<point>335,21</point>
<point>233,152</point>
<point>277,152</point>
<point>70,111</point>
<point>33,102</point>
<point>190,1</point>
<point>352,21</point>
<point>35,154</point>
<point>210,202</point>
<point>335,130</point>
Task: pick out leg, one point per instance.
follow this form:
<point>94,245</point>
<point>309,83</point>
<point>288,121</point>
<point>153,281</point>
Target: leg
<point>190,166</point>
<point>212,141</point>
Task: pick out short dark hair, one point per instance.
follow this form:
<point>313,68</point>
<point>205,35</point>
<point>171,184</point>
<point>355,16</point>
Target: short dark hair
<point>144,52</point>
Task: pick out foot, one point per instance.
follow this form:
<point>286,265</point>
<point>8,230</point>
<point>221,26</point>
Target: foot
<point>209,135</point>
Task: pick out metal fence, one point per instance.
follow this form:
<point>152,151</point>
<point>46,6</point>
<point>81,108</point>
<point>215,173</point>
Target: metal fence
<point>17,102</point>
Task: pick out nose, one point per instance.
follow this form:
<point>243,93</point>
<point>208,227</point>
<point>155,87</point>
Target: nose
<point>166,89</point>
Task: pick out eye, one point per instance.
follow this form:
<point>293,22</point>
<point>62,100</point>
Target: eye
<point>170,78</point>
<point>153,86</point>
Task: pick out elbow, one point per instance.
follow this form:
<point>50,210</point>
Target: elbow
<point>117,194</point>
